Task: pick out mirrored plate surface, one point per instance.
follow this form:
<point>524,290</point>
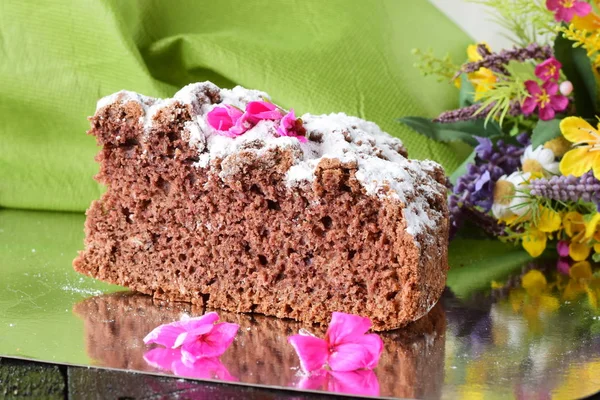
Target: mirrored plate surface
<point>541,341</point>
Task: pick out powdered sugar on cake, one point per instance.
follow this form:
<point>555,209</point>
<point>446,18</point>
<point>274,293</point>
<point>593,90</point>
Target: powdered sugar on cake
<point>382,169</point>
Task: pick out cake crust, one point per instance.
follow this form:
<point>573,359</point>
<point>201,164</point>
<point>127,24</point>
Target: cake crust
<point>260,224</point>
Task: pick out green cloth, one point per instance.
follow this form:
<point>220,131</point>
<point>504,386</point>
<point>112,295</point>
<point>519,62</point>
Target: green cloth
<point>58,57</point>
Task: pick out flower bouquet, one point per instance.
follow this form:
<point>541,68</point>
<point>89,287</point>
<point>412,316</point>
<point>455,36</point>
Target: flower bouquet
<point>533,177</point>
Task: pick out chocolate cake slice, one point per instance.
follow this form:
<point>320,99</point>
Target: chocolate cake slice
<point>260,222</point>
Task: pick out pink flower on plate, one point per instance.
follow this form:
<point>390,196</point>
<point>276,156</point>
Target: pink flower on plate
<point>225,119</point>
<point>544,99</point>
<point>363,382</point>
<point>197,337</point>
<point>292,126</point>
<point>346,346</point>
<point>260,110</point>
<point>172,360</point>
<point>565,10</point>
<point>548,70</point>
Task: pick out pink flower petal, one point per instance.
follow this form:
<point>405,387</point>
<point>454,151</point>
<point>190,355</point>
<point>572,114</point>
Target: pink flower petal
<point>351,356</point>
<point>374,346</point>
<point>558,102</point>
<point>260,110</point>
<point>180,339</point>
<point>546,113</point>
<point>162,358</point>
<point>193,323</point>
<point>533,87</point>
<point>205,368</point>
<point>564,14</point>
<point>552,5</point>
<point>312,351</point>
<point>314,381</point>
<point>212,344</point>
<point>363,383</point>
<point>222,118</point>
<point>528,105</point>
<point>346,327</point>
<point>550,87</point>
<point>166,334</point>
<point>582,8</point>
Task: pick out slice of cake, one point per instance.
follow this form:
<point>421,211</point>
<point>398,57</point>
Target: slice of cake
<point>220,198</point>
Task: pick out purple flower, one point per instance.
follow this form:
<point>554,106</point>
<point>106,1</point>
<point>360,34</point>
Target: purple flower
<point>548,70</point>
<point>544,99</point>
<point>484,149</point>
<point>568,188</point>
<point>472,196</point>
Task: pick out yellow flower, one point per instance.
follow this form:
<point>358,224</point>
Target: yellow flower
<point>575,228</point>
<point>559,146</point>
<point>549,220</point>
<point>533,299</point>
<point>585,155</point>
<point>582,280</point>
<point>534,241</point>
<point>590,22</point>
<point>483,79</point>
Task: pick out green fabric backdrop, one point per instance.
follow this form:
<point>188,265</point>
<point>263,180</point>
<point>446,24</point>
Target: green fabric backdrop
<point>58,57</point>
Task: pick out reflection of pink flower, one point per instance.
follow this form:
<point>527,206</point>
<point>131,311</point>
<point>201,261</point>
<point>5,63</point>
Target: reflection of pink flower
<point>292,126</point>
<point>545,99</point>
<point>563,266</point>
<point>198,337</point>
<point>346,346</point>
<point>260,110</point>
<point>565,10</point>
<point>224,118</point>
<point>172,360</point>
<point>363,382</point>
<point>548,70</point>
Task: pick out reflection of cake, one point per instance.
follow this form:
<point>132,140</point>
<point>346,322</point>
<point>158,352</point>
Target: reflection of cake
<point>412,364</point>
<point>262,222</point>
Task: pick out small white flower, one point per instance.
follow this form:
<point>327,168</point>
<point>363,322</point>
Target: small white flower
<point>508,199</point>
<point>540,161</point>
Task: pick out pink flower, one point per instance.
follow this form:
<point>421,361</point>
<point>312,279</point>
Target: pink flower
<point>260,110</point>
<point>346,346</point>
<point>224,118</point>
<point>197,337</point>
<point>562,247</point>
<point>548,70</point>
<point>171,360</point>
<point>563,266</point>
<point>292,126</point>
<point>545,99</point>
<point>564,10</point>
<point>362,383</point>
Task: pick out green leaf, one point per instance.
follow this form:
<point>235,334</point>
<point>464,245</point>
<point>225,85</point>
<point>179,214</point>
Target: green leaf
<point>463,131</point>
<point>475,263</point>
<point>545,131</point>
<point>462,168</point>
<point>467,92</point>
<point>578,69</point>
